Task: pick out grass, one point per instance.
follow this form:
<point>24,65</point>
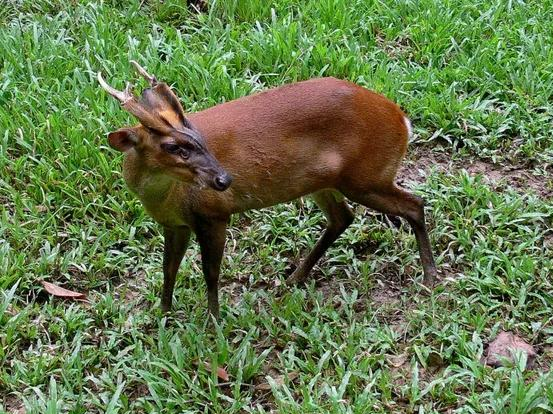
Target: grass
<point>474,76</point>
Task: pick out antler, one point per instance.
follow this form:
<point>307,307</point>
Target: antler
<point>150,78</point>
<point>157,108</point>
<point>122,96</point>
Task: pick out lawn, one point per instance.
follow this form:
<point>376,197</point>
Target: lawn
<point>475,77</point>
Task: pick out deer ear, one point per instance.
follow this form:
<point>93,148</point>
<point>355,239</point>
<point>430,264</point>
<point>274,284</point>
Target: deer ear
<point>123,139</point>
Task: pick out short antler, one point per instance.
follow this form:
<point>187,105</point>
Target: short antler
<point>150,78</point>
<point>123,96</point>
<point>156,108</point>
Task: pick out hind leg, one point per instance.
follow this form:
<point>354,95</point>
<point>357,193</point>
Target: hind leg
<point>401,203</point>
<point>339,217</point>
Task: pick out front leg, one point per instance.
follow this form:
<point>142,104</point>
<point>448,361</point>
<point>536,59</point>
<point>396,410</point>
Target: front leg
<point>175,243</point>
<point>211,236</point>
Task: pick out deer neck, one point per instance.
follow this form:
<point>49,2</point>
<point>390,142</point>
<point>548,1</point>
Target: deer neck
<point>158,192</point>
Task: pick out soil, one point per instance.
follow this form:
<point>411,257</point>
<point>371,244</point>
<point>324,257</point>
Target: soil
<point>13,405</point>
<point>421,161</point>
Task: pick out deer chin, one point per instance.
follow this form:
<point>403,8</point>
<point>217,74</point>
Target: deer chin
<point>200,182</point>
<point>206,179</point>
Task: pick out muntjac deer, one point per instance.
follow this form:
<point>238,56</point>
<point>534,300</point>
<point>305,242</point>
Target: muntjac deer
<point>327,138</point>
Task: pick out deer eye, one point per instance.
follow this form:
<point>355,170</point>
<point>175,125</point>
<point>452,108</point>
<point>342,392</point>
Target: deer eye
<point>171,148</point>
<point>184,153</point>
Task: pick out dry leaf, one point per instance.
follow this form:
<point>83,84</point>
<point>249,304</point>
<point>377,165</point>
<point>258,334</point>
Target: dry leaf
<point>397,361</point>
<point>221,372</point>
<point>61,292</point>
<point>504,346</point>
<point>266,386</point>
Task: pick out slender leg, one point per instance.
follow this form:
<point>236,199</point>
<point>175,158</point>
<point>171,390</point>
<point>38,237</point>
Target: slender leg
<point>339,217</point>
<point>399,202</point>
<point>175,243</point>
<point>211,236</point>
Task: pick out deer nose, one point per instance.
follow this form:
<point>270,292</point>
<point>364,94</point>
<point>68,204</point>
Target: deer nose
<point>222,182</point>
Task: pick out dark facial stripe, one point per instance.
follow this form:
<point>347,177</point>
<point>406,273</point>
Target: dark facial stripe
<point>191,135</point>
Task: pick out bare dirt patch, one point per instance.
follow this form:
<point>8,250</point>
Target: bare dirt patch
<point>7,205</point>
<point>386,298</point>
<point>401,46</point>
<point>129,289</point>
<point>422,160</point>
<point>13,405</point>
<point>234,290</point>
<point>548,241</point>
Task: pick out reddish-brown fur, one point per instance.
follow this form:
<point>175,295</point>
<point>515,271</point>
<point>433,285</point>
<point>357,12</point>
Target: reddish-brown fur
<point>325,137</point>
<point>295,140</point>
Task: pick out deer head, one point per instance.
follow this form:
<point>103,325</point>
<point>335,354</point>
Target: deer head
<point>165,140</point>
